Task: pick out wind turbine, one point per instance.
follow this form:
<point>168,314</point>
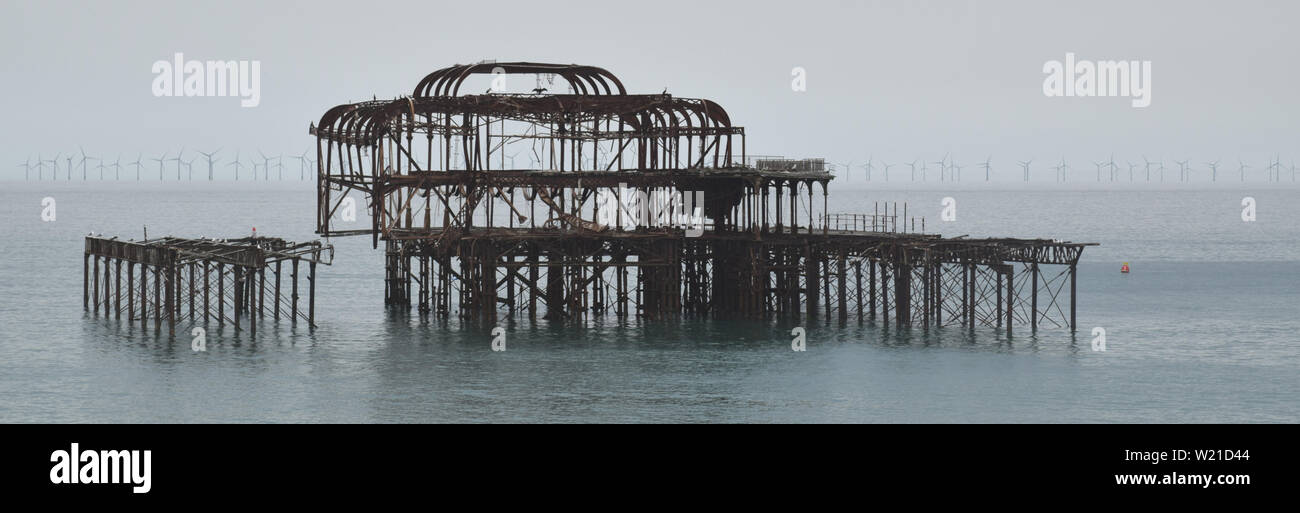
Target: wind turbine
<point>957,167</point>
<point>848,168</point>
<point>887,166</point>
<point>1182,170</point>
<point>237,165</point>
<point>302,163</point>
<point>101,169</point>
<point>986,165</point>
<point>160,161</point>
<point>54,164</point>
<point>943,166</point>
<point>27,169</point>
<point>1130,170</point>
<point>137,165</point>
<point>912,165</point>
<point>868,167</point>
<point>117,168</point>
<point>1214,170</point>
<point>70,157</point>
<point>1025,164</point>
<point>1114,170</point>
<point>1274,169</point>
<point>1243,167</point>
<point>84,158</point>
<point>208,155</point>
<point>40,168</point>
<point>1099,164</point>
<point>266,165</point>
<point>1162,170</point>
<point>1060,170</point>
<point>189,167</point>
<point>1148,162</point>
<point>279,166</point>
<point>177,160</point>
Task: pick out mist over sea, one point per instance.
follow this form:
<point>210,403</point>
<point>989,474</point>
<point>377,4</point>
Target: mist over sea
<point>1204,329</point>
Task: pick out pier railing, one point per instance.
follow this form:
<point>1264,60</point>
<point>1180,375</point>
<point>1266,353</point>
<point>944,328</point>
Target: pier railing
<point>879,223</point>
<point>778,163</point>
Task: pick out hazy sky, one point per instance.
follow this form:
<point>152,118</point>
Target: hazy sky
<point>889,79</point>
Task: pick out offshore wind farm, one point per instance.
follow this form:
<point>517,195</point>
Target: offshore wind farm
<point>270,167</point>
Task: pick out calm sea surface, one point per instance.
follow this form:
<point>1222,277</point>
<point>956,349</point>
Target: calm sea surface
<point>1205,329</point>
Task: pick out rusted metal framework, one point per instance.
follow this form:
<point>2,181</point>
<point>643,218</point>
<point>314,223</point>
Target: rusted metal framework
<point>601,219</point>
<point>201,280</point>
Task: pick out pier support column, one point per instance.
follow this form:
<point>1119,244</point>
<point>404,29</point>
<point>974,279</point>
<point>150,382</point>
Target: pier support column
<point>311,294</point>
<point>1073,326</point>
<point>144,295</point>
<point>997,305</point>
<point>239,294</point>
<point>207,292</point>
<point>130,292</point>
<point>871,280</point>
<point>555,288</point>
<point>276,308</point>
<point>938,294</point>
<point>927,292</point>
<point>117,289</point>
<point>1011,297</point>
<point>974,299</point>
<point>171,294</point>
<point>95,287</point>
<point>192,291</point>
<point>488,295</point>
<point>294,292</point>
<point>902,291</point>
<point>1033,298</point>
<point>221,294</point>
<point>812,270</point>
<point>884,293</point>
<point>857,277</point>
<point>532,281</point>
<point>85,281</point>
<point>157,295</point>
<point>965,292</point>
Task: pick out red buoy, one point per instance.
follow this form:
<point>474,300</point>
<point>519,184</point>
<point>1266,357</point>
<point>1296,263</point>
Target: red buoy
<point>1124,268</point>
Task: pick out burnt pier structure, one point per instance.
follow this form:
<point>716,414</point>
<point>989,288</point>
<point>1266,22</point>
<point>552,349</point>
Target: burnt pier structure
<point>170,280</point>
<point>640,204</point>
